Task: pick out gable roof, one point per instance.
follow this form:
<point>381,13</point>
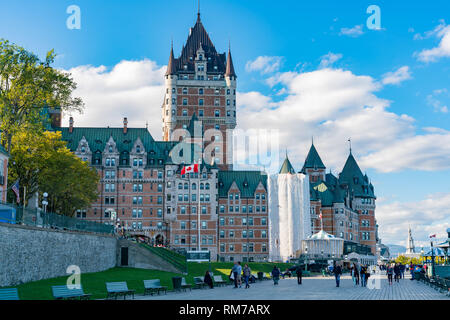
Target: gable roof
<point>313,160</point>
<point>246,181</point>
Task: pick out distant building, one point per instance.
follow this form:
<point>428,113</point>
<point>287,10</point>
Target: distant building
<point>410,248</point>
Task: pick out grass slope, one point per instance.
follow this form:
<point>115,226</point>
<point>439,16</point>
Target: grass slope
<point>94,283</point>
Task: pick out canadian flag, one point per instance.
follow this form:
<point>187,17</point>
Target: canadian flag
<point>189,169</point>
<point>433,236</point>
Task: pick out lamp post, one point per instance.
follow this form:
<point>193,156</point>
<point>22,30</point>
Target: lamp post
<point>432,259</point>
<point>45,202</point>
<point>306,258</point>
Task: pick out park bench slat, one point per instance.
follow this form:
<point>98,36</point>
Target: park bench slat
<point>199,282</point>
<point>64,292</point>
<point>9,294</point>
<point>185,285</point>
<point>219,280</point>
<point>115,289</point>
<point>153,285</point>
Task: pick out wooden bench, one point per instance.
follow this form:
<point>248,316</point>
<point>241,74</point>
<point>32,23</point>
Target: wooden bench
<point>219,281</point>
<point>185,285</point>
<point>152,286</point>
<point>64,292</point>
<point>199,283</point>
<point>9,294</point>
<point>116,289</point>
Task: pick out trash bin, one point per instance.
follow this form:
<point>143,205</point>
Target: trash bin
<point>176,281</point>
<point>260,276</point>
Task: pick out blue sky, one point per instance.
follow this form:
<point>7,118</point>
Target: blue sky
<point>408,162</point>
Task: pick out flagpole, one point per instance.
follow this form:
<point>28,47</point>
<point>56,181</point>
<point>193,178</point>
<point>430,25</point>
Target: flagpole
<point>198,211</point>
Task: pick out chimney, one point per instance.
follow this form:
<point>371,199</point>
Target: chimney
<point>71,124</point>
<point>125,125</point>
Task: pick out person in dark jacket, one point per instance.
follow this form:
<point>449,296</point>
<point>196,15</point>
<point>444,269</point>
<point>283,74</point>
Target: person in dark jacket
<point>337,270</point>
<point>208,280</point>
<point>397,272</point>
<point>275,275</point>
<point>298,270</point>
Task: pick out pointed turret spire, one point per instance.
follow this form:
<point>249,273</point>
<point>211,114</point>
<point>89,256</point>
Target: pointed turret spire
<point>230,68</point>
<point>287,166</point>
<point>198,12</point>
<point>313,160</point>
<point>171,65</point>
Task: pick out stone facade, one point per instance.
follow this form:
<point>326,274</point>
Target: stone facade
<point>31,254</point>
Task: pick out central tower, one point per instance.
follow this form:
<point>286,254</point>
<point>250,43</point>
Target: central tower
<point>201,85</point>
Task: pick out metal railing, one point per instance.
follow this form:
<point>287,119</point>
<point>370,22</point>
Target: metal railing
<point>12,214</point>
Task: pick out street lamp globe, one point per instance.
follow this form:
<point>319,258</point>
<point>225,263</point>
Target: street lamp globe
<point>45,194</point>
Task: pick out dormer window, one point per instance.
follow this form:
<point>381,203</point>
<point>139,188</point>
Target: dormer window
<point>83,149</point>
<point>200,57</point>
<point>110,149</point>
<point>138,149</point>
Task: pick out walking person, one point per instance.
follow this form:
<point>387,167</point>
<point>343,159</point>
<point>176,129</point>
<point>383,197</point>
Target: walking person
<point>356,267</point>
<point>396,272</point>
<point>337,270</point>
<point>235,271</point>
<point>353,273</point>
<point>275,275</point>
<point>389,272</point>
<point>239,274</point>
<point>363,274</point>
<point>247,272</point>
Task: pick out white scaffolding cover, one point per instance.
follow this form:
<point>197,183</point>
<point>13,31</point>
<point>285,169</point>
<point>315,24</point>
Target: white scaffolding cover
<point>289,215</point>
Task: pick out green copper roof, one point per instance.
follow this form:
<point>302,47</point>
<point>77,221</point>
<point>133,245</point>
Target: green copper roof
<point>287,167</point>
<point>313,160</point>
<point>98,138</point>
<point>353,177</point>
<point>246,181</point>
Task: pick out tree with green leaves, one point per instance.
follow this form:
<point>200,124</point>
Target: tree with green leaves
<point>43,163</point>
<point>29,86</point>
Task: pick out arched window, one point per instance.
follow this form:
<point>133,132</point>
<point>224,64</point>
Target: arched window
<point>194,186</point>
<point>180,186</point>
<point>202,186</point>
<point>110,149</point>
<point>207,186</point>
<point>186,186</point>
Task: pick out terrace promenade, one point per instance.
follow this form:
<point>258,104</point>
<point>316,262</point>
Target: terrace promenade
<point>314,288</point>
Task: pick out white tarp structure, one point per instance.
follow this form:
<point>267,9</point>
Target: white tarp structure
<point>289,215</point>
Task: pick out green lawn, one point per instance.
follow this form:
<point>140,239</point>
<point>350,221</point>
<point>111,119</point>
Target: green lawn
<point>94,283</point>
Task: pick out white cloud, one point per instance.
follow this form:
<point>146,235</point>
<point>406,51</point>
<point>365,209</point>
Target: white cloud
<point>435,103</point>
<point>423,152</point>
<point>396,77</point>
<point>133,89</point>
<point>264,64</point>
<point>426,217</point>
<point>329,59</point>
<point>442,32</point>
<point>329,104</point>
<point>356,31</point>
<point>335,104</point>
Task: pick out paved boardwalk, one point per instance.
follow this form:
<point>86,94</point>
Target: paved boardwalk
<point>314,288</point>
